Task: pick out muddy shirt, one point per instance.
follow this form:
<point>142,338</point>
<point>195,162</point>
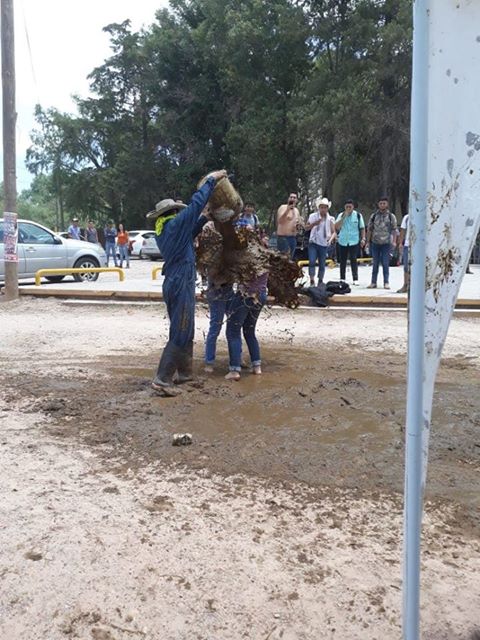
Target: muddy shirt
<point>381,226</point>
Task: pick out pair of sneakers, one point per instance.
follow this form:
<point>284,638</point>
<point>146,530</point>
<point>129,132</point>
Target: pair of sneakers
<point>374,286</point>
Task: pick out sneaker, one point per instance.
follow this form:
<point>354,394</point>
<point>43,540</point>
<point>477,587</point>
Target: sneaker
<point>386,286</point>
<point>208,368</point>
<point>355,283</point>
<point>372,286</point>
<point>232,375</point>
<point>402,290</point>
<point>257,370</point>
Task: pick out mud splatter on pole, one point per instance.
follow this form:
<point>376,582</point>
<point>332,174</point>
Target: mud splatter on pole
<point>444,221</point>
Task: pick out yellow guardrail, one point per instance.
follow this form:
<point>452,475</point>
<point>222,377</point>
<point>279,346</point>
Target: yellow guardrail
<point>156,270</point>
<point>67,272</point>
<point>305,263</point>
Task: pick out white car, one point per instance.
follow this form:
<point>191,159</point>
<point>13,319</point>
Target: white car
<point>136,241</point>
<point>150,249</point>
<point>40,248</point>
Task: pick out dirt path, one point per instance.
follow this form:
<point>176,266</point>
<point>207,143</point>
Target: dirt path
<point>282,520</point>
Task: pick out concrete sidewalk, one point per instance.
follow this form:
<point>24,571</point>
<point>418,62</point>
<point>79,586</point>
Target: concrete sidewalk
<point>138,285</point>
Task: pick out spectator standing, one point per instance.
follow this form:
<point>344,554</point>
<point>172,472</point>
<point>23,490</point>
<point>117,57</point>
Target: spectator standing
<point>403,244</point>
<point>74,230</point>
<point>381,229</point>
<point>110,237</point>
<point>122,243</point>
<point>288,221</point>
<point>249,217</point>
<point>91,234</point>
<point>350,228</point>
<point>322,234</point>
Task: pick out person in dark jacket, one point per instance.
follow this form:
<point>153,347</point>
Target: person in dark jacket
<point>175,229</point>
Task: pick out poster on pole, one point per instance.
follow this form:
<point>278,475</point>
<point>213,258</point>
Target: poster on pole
<point>453,174</point>
<point>10,236</point>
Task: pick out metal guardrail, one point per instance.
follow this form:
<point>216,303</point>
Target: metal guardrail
<point>156,270</point>
<point>67,272</point>
<point>329,262</point>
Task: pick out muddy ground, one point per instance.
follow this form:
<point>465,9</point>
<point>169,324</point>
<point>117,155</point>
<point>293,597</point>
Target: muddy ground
<point>281,520</point>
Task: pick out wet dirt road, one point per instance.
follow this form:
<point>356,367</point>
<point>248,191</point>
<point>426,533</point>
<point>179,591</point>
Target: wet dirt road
<point>326,419</point>
<point>282,520</point>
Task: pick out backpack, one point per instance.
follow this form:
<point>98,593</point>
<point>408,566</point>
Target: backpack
<point>390,223</point>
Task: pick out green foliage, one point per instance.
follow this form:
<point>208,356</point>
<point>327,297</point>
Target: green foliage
<point>310,95</point>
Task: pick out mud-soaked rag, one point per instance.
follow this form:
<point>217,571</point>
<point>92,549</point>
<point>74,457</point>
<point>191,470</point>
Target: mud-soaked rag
<point>318,295</point>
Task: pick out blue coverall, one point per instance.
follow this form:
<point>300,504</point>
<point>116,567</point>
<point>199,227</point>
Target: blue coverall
<point>176,246</point>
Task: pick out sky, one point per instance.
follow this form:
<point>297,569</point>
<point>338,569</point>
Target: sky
<point>65,42</point>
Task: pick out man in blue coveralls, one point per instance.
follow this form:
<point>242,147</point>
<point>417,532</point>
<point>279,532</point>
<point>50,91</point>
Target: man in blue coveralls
<point>175,229</point>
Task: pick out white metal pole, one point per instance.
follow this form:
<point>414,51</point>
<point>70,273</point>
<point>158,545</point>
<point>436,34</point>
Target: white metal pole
<point>416,341</point>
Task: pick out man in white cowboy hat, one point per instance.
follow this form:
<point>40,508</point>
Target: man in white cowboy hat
<point>176,226</point>
<point>322,233</point>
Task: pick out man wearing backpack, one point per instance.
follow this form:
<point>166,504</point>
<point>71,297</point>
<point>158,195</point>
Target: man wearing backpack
<point>350,229</point>
<point>381,227</point>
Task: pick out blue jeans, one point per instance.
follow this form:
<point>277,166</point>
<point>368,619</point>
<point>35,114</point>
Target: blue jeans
<point>316,251</point>
<point>405,259</point>
<point>218,300</point>
<point>110,248</point>
<point>380,255</point>
<point>287,244</point>
<point>123,251</point>
<point>243,314</point>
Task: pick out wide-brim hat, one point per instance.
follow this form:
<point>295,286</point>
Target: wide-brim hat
<point>164,206</point>
<point>324,201</point>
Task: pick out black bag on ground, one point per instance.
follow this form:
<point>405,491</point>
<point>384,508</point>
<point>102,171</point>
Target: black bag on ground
<point>338,287</point>
<point>319,295</point>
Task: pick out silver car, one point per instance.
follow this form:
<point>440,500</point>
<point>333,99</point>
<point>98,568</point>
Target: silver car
<point>40,248</point>
<point>150,249</point>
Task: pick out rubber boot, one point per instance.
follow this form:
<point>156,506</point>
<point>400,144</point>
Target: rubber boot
<point>163,381</point>
<point>185,365</point>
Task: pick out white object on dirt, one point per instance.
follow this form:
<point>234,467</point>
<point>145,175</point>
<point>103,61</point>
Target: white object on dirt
<point>180,439</point>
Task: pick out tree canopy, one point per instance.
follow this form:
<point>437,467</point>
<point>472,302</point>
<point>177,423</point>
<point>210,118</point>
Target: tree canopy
<point>308,95</point>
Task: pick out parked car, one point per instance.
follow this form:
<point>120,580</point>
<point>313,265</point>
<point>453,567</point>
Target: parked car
<point>40,248</point>
<point>150,249</point>
<point>137,237</point>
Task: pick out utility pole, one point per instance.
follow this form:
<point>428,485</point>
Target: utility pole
<point>9,150</point>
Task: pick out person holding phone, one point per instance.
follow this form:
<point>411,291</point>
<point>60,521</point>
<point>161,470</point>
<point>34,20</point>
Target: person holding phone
<point>288,223</point>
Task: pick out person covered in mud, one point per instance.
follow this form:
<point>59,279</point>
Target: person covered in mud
<point>176,226</point>
<point>218,296</point>
<point>288,223</point>
<point>243,312</point>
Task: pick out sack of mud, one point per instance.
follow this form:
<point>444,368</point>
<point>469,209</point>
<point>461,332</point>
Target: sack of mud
<point>339,286</point>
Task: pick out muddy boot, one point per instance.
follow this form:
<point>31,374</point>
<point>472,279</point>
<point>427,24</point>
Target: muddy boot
<point>185,365</point>
<point>163,381</point>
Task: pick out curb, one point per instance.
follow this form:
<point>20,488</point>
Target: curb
<point>156,296</point>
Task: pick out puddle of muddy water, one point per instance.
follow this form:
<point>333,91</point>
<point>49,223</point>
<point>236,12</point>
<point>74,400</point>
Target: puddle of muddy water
<point>323,419</point>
